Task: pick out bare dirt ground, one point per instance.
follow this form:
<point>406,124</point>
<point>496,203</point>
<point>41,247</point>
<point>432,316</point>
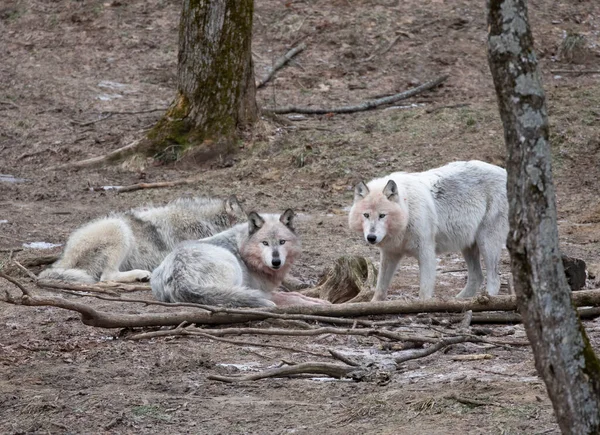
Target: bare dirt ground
<point>66,63</point>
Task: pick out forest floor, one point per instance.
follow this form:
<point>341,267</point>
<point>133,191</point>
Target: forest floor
<point>79,78</point>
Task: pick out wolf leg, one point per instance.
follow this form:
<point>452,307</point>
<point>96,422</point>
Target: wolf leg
<point>427,267</point>
<point>389,264</point>
<point>283,299</point>
<point>491,249</point>
<point>474,273</point>
<point>128,276</point>
<point>116,255</point>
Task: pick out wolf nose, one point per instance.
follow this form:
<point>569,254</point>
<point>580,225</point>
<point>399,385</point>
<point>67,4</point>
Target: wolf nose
<point>276,262</point>
<point>371,238</point>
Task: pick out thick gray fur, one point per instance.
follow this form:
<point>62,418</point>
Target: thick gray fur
<point>214,271</point>
<point>127,246</point>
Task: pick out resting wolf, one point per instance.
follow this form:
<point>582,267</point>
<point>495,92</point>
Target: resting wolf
<point>127,246</point>
<point>240,267</point>
<point>461,206</point>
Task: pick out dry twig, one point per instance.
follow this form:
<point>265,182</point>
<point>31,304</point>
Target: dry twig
<point>367,105</point>
<point>279,63</point>
<point>140,186</point>
<point>117,154</point>
<point>316,368</point>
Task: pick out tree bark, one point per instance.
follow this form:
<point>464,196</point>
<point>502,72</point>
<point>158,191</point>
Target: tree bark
<point>215,81</point>
<point>563,355</point>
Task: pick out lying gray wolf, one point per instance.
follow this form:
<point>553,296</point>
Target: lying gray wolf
<point>127,246</point>
<point>461,206</point>
<point>242,266</point>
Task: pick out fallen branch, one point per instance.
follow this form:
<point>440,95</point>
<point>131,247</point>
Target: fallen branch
<point>100,287</point>
<point>279,63</point>
<point>473,357</point>
<point>181,331</point>
<point>10,279</point>
<point>140,186</point>
<point>472,402</point>
<point>367,105</point>
<point>314,312</point>
<point>420,353</point>
<point>574,71</point>
<point>315,368</point>
<point>117,154</point>
<point>365,332</point>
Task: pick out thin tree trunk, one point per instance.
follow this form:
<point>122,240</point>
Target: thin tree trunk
<point>563,355</point>
<point>215,81</point>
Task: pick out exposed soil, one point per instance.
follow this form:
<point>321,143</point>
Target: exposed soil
<point>66,63</point>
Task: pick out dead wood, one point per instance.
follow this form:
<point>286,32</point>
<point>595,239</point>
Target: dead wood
<point>10,279</point>
<point>314,312</point>
<point>279,63</point>
<point>345,280</point>
<point>472,357</point>
<point>117,154</point>
<point>367,105</point>
<point>472,402</point>
<point>182,331</point>
<point>315,368</point>
<point>39,261</point>
<point>574,71</point>
<point>421,353</point>
<point>140,186</point>
<point>343,358</point>
<point>365,332</point>
<point>109,287</point>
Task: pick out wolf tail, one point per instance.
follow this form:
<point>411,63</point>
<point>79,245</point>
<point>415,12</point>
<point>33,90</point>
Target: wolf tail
<point>167,288</point>
<point>236,296</point>
<point>73,275</point>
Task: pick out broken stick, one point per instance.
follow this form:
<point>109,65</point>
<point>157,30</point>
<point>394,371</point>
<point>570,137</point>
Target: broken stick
<point>140,186</point>
<point>315,368</point>
<point>279,63</point>
<point>367,105</point>
<point>117,154</point>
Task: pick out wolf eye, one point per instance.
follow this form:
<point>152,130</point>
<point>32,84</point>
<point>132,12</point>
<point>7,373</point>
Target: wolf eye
<point>265,243</point>
<point>381,216</point>
<point>366,215</point>
<point>282,242</point>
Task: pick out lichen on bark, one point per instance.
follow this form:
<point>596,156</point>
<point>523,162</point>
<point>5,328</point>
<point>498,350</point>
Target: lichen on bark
<point>563,356</point>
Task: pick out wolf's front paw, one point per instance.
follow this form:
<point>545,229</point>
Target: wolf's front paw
<point>143,276</point>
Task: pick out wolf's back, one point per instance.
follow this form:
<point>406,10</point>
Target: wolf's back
<point>183,277</point>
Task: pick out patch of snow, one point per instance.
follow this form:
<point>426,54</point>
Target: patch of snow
<point>41,245</point>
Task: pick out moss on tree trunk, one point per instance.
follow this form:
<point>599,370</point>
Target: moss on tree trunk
<point>563,355</point>
<point>215,82</point>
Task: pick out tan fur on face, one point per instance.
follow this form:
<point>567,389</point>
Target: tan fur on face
<point>376,203</point>
<point>251,250</point>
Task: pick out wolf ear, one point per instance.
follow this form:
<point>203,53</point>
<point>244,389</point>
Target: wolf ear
<point>255,222</point>
<point>233,208</point>
<point>360,191</point>
<point>391,191</point>
<point>287,219</point>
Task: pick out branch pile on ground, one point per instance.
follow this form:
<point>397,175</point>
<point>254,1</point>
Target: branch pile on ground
<point>407,335</point>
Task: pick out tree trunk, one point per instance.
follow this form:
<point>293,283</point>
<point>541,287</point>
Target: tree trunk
<point>563,355</point>
<point>215,81</point>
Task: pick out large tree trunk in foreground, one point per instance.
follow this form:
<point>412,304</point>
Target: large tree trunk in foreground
<point>563,355</point>
<point>215,81</point>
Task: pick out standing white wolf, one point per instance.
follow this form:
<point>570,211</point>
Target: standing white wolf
<point>127,246</point>
<point>461,206</point>
<point>242,266</point>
